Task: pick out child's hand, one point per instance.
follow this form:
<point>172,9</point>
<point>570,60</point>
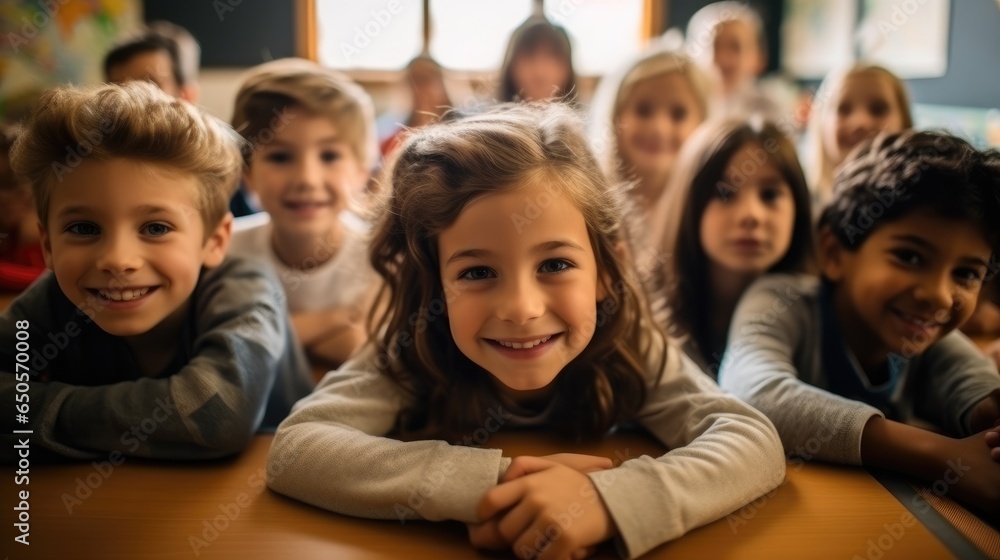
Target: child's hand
<point>972,473</point>
<point>543,509</point>
<point>993,440</point>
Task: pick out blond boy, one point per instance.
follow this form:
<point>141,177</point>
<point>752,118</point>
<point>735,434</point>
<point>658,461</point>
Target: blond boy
<point>311,132</point>
<point>145,340</point>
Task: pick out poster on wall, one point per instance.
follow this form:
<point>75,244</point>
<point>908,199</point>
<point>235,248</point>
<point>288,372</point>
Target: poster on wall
<point>45,44</point>
<point>817,37</point>
<point>909,37</point>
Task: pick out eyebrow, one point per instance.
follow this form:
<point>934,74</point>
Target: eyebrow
<point>145,209</point>
<point>281,143</point>
<point>544,247</point>
<point>924,243</point>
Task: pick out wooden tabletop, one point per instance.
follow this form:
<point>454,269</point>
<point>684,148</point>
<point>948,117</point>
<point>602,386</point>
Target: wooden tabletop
<point>221,509</point>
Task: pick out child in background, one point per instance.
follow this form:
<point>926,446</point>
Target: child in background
<point>984,325</point>
<point>143,318</point>
<point>737,208</point>
<point>188,56</point>
<point>428,96</point>
<point>905,246</point>
<point>538,64</point>
<point>536,321</point>
<point>640,122</point>
<point>311,134</point>
<point>727,39</point>
<point>21,260</point>
<point>850,106</point>
<point>153,57</point>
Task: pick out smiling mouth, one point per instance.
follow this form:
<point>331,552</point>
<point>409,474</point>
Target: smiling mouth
<point>523,344</point>
<point>305,204</point>
<point>126,294</point>
<point>925,324</point>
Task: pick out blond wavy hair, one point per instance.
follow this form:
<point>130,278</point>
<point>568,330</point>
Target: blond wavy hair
<point>136,121</point>
<point>819,166</point>
<point>273,87</point>
<point>614,91</point>
<point>438,172</point>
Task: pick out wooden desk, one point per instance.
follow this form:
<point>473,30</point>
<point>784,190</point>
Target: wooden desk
<point>145,509</point>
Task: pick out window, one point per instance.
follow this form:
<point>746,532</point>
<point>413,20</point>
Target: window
<point>374,35</point>
<point>472,35</point>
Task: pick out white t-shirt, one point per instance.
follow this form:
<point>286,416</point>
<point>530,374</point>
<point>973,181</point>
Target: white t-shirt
<point>342,281</point>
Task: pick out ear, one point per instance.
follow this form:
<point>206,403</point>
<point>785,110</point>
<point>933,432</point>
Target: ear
<point>43,238</point>
<point>831,255</point>
<point>214,251</point>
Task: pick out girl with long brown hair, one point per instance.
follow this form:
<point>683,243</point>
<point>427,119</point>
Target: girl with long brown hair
<point>510,301</point>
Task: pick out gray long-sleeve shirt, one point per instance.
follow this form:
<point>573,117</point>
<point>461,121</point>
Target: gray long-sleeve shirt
<point>333,452</point>
<point>237,366</point>
<point>775,361</point>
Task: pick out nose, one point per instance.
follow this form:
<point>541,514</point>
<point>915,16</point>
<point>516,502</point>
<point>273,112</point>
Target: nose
<point>521,300</point>
<point>119,255</point>
<point>309,172</point>
<point>860,120</point>
<point>936,292</point>
<point>749,210</point>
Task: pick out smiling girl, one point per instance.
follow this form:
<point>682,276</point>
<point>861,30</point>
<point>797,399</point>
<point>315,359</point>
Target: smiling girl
<point>495,310</point>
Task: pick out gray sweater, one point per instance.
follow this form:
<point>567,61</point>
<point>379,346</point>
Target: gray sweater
<point>775,361</point>
<point>237,366</point>
<point>333,452</point>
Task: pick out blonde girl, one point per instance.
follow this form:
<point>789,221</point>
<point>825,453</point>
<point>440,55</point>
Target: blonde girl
<point>508,304</point>
<point>850,106</point>
<point>640,121</point>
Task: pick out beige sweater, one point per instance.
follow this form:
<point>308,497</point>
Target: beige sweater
<point>331,452</point>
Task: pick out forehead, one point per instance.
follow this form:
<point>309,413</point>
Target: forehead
<point>114,187</point>
<point>735,30</point>
<point>297,126</point>
<point>866,85</point>
<point>668,87</point>
<point>143,65</point>
<point>953,237</point>
<point>511,220</point>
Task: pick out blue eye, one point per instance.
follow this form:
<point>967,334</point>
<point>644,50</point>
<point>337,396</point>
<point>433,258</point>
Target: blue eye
<point>83,229</point>
<point>554,266</point>
<point>156,229</point>
<point>477,273</point>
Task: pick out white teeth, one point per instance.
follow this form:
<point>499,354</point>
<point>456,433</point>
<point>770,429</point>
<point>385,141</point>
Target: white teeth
<point>123,295</point>
<point>524,345</point>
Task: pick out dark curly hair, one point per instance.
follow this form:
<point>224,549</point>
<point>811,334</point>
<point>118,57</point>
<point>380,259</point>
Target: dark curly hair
<point>891,175</point>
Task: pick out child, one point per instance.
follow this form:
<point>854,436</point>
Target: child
<point>840,363</point>
<point>851,106</point>
<point>188,56</point>
<point>538,64</point>
<point>984,324</point>
<point>738,207</point>
<point>153,57</point>
<point>144,341</point>
<point>499,320</point>
<point>429,100</point>
<point>21,260</point>
<point>728,39</point>
<point>311,133</point>
<point>641,121</point>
